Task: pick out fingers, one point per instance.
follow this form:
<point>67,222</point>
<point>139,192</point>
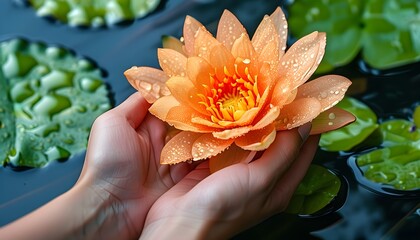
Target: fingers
<point>288,183</point>
<point>134,109</point>
<point>282,152</point>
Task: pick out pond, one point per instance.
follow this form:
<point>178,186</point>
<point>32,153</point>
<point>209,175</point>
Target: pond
<point>361,210</point>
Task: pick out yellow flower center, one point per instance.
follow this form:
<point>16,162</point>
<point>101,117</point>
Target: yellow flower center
<point>227,99</point>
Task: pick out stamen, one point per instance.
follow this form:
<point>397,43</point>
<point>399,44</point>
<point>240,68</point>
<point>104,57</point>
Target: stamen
<point>227,98</point>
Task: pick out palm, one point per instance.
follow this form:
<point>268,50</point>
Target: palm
<point>123,158</point>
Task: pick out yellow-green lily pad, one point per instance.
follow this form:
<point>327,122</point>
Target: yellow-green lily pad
<point>397,163</point>
<point>94,13</point>
<point>344,139</point>
<point>49,99</point>
<point>317,189</point>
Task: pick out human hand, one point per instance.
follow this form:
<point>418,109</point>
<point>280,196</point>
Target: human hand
<point>122,164</point>
<point>222,204</point>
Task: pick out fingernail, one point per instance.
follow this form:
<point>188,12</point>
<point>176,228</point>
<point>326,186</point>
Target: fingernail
<point>304,130</point>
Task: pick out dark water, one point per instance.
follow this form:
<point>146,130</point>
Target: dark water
<point>363,215</point>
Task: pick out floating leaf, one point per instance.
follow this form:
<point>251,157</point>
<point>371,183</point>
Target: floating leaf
<point>398,163</point>
<point>416,116</point>
<point>387,31</point>
<point>7,121</point>
<point>94,13</point>
<point>339,19</point>
<point>317,189</point>
<point>349,136</point>
<point>399,131</point>
<point>49,99</point>
<point>391,33</point>
<point>398,166</point>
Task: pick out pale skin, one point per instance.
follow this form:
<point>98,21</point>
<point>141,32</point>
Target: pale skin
<point>125,193</point>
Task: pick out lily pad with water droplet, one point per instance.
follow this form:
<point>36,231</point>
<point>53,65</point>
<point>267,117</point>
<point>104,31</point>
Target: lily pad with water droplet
<point>397,163</point>
<point>94,13</point>
<point>317,189</point>
<point>49,99</point>
<point>346,138</point>
<point>7,121</point>
<point>387,31</point>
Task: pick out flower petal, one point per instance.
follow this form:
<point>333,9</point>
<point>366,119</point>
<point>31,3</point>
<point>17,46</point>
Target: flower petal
<point>266,33</point>
<point>161,107</point>
<point>150,82</point>
<point>205,122</point>
<point>229,29</point>
<point>204,43</point>
<point>180,117</point>
<point>302,59</point>
<point>191,27</point>
<point>178,149</point>
<point>232,133</point>
<point>242,48</point>
<point>257,140</point>
<point>246,119</point>
<point>172,62</point>
<point>184,91</point>
<point>222,60</point>
<point>280,23</point>
<point>208,146</point>
<point>268,116</point>
<point>329,90</point>
<point>297,113</point>
<point>173,43</point>
<point>232,155</point>
<point>330,120</point>
<point>270,54</point>
<point>199,71</point>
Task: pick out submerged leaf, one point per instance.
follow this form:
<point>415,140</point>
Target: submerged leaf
<point>317,189</point>
<point>54,99</point>
<point>348,137</point>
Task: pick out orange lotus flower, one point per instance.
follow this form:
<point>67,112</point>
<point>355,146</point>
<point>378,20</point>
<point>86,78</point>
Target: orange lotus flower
<point>230,95</point>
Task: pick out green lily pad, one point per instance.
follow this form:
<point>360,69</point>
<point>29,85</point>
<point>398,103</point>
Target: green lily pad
<point>391,33</point>
<point>387,31</point>
<point>416,116</point>
<point>399,131</point>
<point>398,163</point>
<point>94,13</point>
<point>49,100</point>
<point>339,19</point>
<point>317,189</point>
<point>344,139</point>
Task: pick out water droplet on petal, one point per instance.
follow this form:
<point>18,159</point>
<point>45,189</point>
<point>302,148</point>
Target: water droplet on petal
<point>246,61</point>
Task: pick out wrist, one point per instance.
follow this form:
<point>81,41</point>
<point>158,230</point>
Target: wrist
<point>177,226</point>
<point>101,215</point>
